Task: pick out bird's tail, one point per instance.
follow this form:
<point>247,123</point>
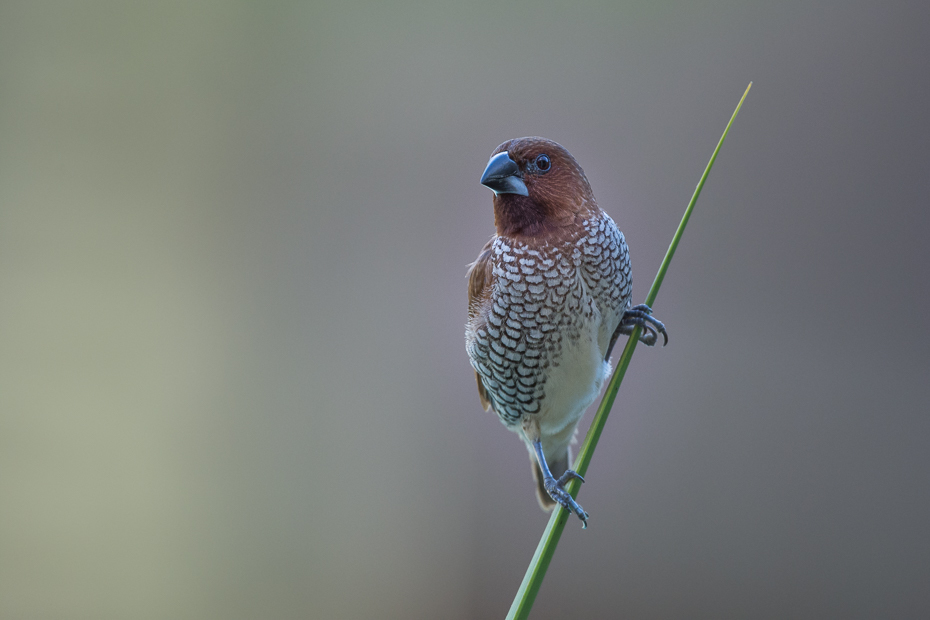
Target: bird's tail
<point>557,467</point>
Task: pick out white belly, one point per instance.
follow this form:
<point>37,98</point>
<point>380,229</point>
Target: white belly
<point>571,387</point>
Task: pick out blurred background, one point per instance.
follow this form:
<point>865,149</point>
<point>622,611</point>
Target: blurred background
<point>233,243</point>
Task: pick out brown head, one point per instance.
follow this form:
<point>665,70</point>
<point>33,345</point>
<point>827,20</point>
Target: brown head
<point>538,187</point>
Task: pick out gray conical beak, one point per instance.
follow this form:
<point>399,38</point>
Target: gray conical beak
<point>503,176</point>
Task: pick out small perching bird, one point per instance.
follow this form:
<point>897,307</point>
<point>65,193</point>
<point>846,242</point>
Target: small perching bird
<point>548,297</point>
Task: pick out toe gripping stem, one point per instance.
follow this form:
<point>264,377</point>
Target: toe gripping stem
<point>556,488</point>
<point>639,315</point>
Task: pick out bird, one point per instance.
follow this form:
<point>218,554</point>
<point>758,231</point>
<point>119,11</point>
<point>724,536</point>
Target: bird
<point>548,296</point>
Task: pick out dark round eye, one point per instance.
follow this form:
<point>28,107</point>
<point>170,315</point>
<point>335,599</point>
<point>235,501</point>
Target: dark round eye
<point>543,163</point>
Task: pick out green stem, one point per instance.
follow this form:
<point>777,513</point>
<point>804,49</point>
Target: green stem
<point>536,571</point>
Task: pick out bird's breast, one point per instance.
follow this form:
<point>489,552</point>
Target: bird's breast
<point>538,340</point>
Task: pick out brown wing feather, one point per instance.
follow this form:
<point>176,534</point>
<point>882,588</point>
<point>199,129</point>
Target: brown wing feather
<point>480,280</point>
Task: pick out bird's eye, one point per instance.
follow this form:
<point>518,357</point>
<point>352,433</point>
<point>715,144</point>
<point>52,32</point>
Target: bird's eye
<point>543,163</point>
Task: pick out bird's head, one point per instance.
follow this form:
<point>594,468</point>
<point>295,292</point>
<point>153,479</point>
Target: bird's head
<point>538,187</point>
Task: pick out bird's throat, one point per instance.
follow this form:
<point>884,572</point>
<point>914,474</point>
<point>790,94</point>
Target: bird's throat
<point>519,216</point>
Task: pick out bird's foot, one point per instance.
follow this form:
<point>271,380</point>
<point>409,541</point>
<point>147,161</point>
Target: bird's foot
<point>570,474</point>
<point>556,490</point>
<point>652,327</point>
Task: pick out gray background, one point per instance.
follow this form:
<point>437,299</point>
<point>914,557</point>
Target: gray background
<point>233,242</point>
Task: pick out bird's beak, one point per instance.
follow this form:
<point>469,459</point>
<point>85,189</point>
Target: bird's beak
<point>503,176</point>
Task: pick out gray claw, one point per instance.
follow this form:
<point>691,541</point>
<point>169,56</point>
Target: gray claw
<point>642,315</point>
<point>559,494</point>
<point>568,475</point>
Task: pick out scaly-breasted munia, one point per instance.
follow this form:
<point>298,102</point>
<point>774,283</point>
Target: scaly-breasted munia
<point>548,297</point>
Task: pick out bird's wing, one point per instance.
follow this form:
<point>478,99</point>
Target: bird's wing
<point>480,281</point>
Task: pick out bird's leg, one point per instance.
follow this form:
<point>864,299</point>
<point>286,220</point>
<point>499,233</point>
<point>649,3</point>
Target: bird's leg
<point>639,315</point>
<point>555,488</point>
